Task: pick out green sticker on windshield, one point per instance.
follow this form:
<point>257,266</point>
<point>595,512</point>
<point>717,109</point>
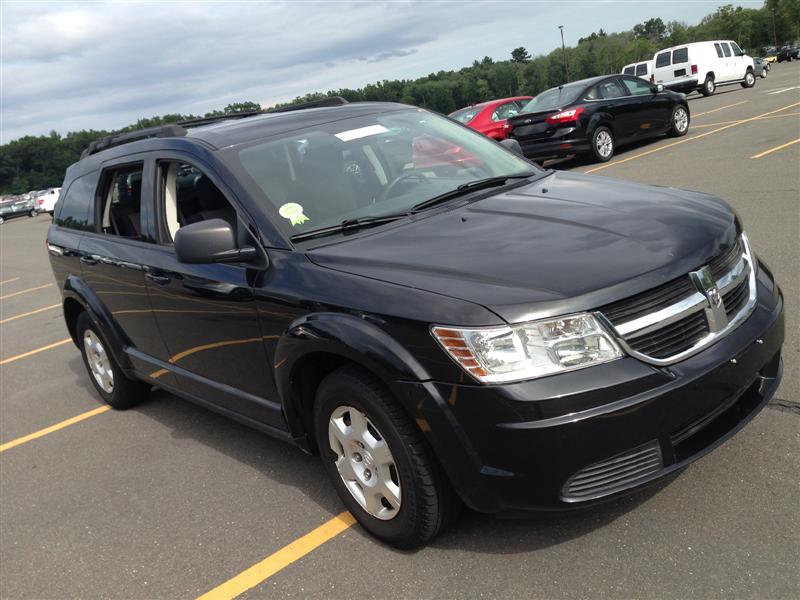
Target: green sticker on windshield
<point>293,212</point>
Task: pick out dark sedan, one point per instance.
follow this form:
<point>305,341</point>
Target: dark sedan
<point>593,116</point>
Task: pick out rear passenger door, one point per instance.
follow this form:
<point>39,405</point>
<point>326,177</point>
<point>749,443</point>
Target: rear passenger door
<point>624,108</point>
<point>206,313</point>
<point>727,63</point>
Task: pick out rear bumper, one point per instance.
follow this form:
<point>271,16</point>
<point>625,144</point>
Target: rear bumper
<point>572,440</point>
<point>683,86</point>
<point>570,142</point>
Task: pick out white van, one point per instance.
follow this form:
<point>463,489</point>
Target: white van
<point>703,66</point>
<point>45,200</point>
<point>642,69</point>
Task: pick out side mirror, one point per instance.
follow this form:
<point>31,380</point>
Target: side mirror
<point>513,145</point>
<point>211,241</point>
<point>659,88</point>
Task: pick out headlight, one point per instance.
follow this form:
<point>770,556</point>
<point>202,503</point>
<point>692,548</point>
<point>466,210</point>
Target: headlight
<point>529,350</point>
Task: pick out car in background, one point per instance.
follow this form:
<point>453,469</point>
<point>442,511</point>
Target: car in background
<point>16,206</point>
<point>785,55</point>
<point>489,118</point>
<point>642,69</point>
<point>703,66</point>
<point>593,116</point>
<point>760,67</point>
<point>45,200</point>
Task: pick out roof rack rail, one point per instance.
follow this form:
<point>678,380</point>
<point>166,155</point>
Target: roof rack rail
<point>118,139</point>
<point>214,119</point>
<point>322,102</point>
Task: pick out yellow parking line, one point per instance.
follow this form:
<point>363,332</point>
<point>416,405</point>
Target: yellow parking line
<point>28,314</point>
<point>708,112</point>
<point>718,123</point>
<point>33,289</point>
<point>11,359</point>
<point>5,281</point>
<point>42,432</point>
<point>261,571</point>
<point>688,139</point>
<point>775,149</point>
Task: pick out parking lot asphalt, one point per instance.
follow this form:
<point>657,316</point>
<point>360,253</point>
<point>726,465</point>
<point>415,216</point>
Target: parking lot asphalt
<point>169,501</point>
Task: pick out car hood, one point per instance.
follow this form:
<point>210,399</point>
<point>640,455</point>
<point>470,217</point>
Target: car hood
<point>564,243</point>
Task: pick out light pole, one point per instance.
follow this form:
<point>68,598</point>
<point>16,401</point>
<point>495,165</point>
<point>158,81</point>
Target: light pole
<point>774,32</point>
<point>564,53</point>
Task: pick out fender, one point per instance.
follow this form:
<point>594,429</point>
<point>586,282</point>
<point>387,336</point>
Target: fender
<point>77,289</point>
<point>357,339</point>
<point>599,119</point>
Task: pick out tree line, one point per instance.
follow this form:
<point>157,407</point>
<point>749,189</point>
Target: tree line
<point>35,162</point>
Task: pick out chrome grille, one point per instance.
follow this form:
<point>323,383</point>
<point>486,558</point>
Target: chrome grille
<point>681,317</point>
<point>614,474</point>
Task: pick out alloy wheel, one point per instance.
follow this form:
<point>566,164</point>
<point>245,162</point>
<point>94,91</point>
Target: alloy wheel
<point>365,462</point>
<point>681,120</point>
<point>604,144</point>
<point>98,360</point>
<point>749,78</point>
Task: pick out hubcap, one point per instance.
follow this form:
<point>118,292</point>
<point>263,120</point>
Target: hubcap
<point>98,360</point>
<point>681,120</point>
<point>604,144</point>
<point>365,462</point>
<point>750,78</point>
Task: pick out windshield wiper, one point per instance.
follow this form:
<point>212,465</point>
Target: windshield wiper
<point>349,225</point>
<point>471,186</point>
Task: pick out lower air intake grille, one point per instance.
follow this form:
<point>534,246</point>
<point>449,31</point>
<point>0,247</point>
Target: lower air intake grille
<point>614,474</point>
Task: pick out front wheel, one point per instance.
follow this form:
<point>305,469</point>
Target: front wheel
<point>33,213</point>
<point>709,87</point>
<point>679,122</point>
<point>379,462</point>
<point>114,387</point>
<point>602,144</point>
<point>749,80</point>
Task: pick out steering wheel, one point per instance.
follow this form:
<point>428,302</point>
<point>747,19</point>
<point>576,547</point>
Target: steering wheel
<point>387,193</point>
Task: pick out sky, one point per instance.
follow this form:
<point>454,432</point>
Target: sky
<point>66,66</point>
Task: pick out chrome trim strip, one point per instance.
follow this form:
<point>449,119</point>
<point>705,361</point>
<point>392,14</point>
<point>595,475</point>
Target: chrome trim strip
<point>744,268</point>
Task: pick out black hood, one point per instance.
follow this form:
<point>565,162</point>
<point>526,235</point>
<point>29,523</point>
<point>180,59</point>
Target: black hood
<point>567,242</point>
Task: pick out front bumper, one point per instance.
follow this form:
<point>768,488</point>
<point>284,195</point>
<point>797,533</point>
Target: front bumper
<point>523,446</point>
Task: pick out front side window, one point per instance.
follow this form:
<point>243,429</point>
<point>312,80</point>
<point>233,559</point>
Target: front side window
<point>736,50</point>
<point>637,87</point>
<point>121,201</point>
<point>662,60</point>
<point>680,56</point>
<point>505,111</point>
<point>726,50</point>
<point>368,166</point>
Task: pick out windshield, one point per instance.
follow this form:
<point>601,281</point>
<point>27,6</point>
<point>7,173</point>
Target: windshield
<point>554,98</point>
<point>465,115</point>
<point>369,166</point>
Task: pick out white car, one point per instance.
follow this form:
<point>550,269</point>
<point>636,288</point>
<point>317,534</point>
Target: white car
<point>703,66</point>
<point>642,69</point>
<point>45,200</point>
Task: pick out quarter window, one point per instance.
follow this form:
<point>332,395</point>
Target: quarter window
<point>662,60</point>
<point>121,202</point>
<point>679,56</point>
<point>75,210</point>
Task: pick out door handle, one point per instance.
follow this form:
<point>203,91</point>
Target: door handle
<point>158,279</point>
<point>88,260</point>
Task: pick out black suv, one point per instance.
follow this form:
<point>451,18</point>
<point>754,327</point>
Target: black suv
<point>439,319</point>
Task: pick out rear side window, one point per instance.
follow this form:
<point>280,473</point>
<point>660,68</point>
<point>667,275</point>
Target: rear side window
<point>662,60</point>
<point>505,111</point>
<point>75,210</point>
<point>718,48</point>
<point>726,50</point>
<point>630,70</point>
<point>681,55</point>
<point>641,69</point>
<point>121,201</point>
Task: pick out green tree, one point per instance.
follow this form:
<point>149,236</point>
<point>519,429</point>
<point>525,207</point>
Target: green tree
<point>520,55</point>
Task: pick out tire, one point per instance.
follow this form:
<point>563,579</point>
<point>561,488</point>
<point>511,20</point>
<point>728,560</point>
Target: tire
<point>411,499</point>
<point>679,121</point>
<point>709,87</point>
<point>602,144</point>
<point>749,80</point>
<point>763,73</point>
<point>115,388</point>
<point>2,220</point>
<point>33,213</point>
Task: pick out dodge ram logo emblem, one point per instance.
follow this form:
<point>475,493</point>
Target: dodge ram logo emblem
<point>715,313</point>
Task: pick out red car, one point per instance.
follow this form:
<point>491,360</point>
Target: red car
<point>490,117</point>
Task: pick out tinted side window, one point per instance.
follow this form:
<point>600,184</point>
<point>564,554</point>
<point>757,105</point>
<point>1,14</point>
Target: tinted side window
<point>641,69</point>
<point>629,70</point>
<point>726,50</point>
<point>681,55</point>
<point>121,201</point>
<point>75,210</point>
<point>718,48</point>
<point>662,60</point>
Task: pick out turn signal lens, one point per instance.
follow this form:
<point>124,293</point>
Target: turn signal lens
<point>529,350</point>
<point>565,116</point>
